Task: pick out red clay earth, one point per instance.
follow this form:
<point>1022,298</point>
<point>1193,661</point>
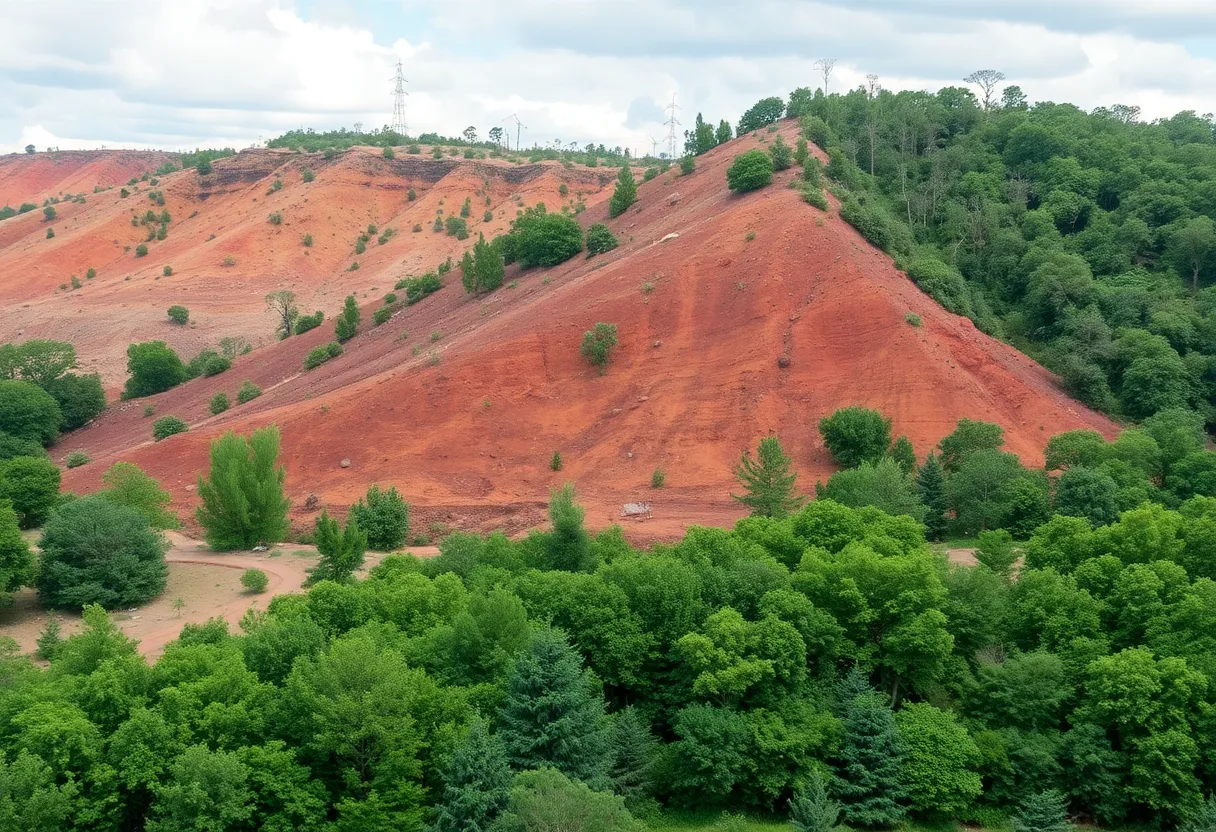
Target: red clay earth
<point>465,424</point>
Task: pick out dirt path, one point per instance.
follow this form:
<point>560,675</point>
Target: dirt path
<point>208,584</point>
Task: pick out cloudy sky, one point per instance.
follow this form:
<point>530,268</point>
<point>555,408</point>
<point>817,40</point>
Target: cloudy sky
<point>180,74</point>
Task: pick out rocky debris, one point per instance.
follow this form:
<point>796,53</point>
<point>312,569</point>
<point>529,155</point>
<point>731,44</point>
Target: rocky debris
<point>345,463</point>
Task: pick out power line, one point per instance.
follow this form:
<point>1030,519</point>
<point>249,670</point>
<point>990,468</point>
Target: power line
<point>672,123</point>
<point>399,94</point>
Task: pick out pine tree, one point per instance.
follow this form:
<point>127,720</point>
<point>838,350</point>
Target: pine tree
<point>624,194</point>
<point>478,783</point>
<point>468,273</point>
<point>633,750</point>
<point>552,716</point>
<point>903,454</point>
<point>811,810</point>
<point>1043,812</point>
<point>931,483</point>
<point>243,502</point>
<point>1204,820</point>
<point>49,639</point>
<point>487,265</point>
<point>768,480</point>
<point>869,778</point>
<point>347,323</point>
<point>341,550</point>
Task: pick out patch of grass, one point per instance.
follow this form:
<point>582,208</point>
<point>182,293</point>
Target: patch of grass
<point>647,287</point>
<point>913,319</point>
<point>751,235</point>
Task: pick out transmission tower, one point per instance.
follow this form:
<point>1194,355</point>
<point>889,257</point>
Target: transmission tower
<point>399,94</point>
<point>672,123</point>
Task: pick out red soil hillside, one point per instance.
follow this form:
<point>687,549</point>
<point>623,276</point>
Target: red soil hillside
<point>33,177</point>
<point>460,401</point>
<point>226,255</point>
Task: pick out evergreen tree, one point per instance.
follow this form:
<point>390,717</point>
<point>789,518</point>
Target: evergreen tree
<point>552,715</point>
<point>1043,812</point>
<point>477,783</point>
<point>341,550</point>
<point>768,480</point>
<point>1204,820</point>
<point>49,639</point>
<point>931,483</point>
<point>633,750</point>
<point>347,323</point>
<point>625,193</point>
<point>724,132</point>
<point>468,273</point>
<point>569,545</point>
<point>811,810</point>
<point>869,778</point>
<point>243,502</point>
<point>487,265</point>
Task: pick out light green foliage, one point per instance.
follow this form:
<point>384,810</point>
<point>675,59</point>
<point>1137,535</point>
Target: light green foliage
<point>482,269</point>
<point>320,354</point>
<point>16,561</point>
<point>254,580</point>
<point>205,790</point>
<point>769,480</point>
<point>598,343</point>
<point>547,800</point>
<point>75,459</point>
<point>568,546</point>
<point>780,152</point>
<point>855,435</point>
<point>341,550</point>
<point>127,485</point>
<point>750,171</point>
<point>347,322</point>
<point>967,438</point>
<point>31,485</point>
<point>384,517</point>
<point>1042,812</point>
<point>995,551</point>
<point>218,404</point>
<point>940,761</point>
<point>96,552</point>
<point>600,239</point>
<point>882,484</point>
<point>624,194</point>
<point>243,502</point>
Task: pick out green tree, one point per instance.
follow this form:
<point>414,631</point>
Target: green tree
<point>16,561</point>
<point>1204,820</point>
<point>347,322</point>
<point>855,435</point>
<point>931,484</point>
<point>96,552</point>
<point>243,502</point>
<point>543,239</point>
<point>940,762</point>
<point>968,437</point>
<point>568,546</point>
<point>723,134</point>
<point>552,714</point>
<point>205,791</point>
<point>882,484</point>
<point>811,810</point>
<point>769,481</point>
<point>1074,447</point>
<point>31,485</point>
<point>903,454</point>
<point>598,343</point>
<point>982,490</point>
<point>634,749</point>
<point>750,171</point>
<point>477,783</point>
<point>549,801</point>
<point>1042,812</point>
<point>167,426</point>
<point>763,112</point>
<point>341,550</point>
<point>870,778</point>
<point>128,485</point>
<point>384,517</point>
<point>80,398</point>
<point>1192,247</point>
<point>995,551</point>
<point>153,368</point>
<point>624,194</point>
<point>11,447</point>
<point>600,239</point>
<point>282,302</point>
<point>1193,475</point>
<point>1084,492</point>
<point>29,412</point>
<point>30,798</point>
<point>179,315</point>
<point>782,156</point>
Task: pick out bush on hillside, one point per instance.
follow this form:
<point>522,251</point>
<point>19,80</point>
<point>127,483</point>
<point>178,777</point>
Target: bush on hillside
<point>750,171</point>
<point>598,343</point>
<point>219,403</point>
<point>307,322</point>
<point>29,412</point>
<point>319,355</point>
<point>381,315</point>
<point>207,363</point>
<point>167,426</point>
<point>624,194</point>
<point>179,315</point>
<point>96,552</point>
<point>247,392</point>
<point>76,459</point>
<point>782,157</point>
<point>600,239</point>
<point>543,239</point>
<point>384,517</point>
<point>941,282</point>
<point>243,503</point>
<point>153,368</point>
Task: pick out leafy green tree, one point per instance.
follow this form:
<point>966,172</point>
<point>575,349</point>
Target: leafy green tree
<point>782,156</point>
<point>543,239</point>
<point>206,790</point>
<point>968,437</point>
<point>30,797</point>
<point>37,361</point>
<point>763,112</point>
<point>552,714</point>
<point>153,368</point>
<point>29,412</point>
<point>96,552</point>
<point>568,546</point>
<point>80,398</point>
<point>750,171</point>
<point>11,447</point>
<point>870,778</point>
<point>179,314</point>
<point>931,485</point>
<point>477,783</point>
<point>1074,448</point>
<point>1178,433</point>
<point>1042,812</point>
<point>995,551</point>
<point>982,491</point>
<point>855,435</point>
<point>624,194</point>
<point>1084,492</point>
<point>882,484</point>
<point>341,550</point>
<point>1193,475</point>
<point>243,502</point>
<point>723,134</point>
<point>384,517</point>
<point>31,485</point>
<point>282,302</point>
<point>769,481</point>
<point>811,810</point>
<point>598,343</point>
<point>1204,820</point>
<point>547,800</point>
<point>904,455</point>
<point>940,762</point>
<point>128,485</point>
<point>167,426</point>
<point>483,268</point>
<point>600,239</point>
<point>1192,247</point>
<point>347,322</point>
<point>468,275</point>
<point>16,561</point>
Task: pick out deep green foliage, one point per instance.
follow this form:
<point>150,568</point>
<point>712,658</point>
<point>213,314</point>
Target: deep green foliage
<point>167,426</point>
<point>207,363</point>
<point>624,194</point>
<point>31,486</point>
<point>782,157</point>
<point>381,315</point>
<point>882,484</point>
<point>763,112</point>
<point>967,438</point>
<point>306,322</point>
<point>600,239</point>
<point>341,550</point>
<point>931,485</point>
<point>254,580</point>
<point>11,446</point>
<point>80,398</point>
<point>769,480</point>
<point>870,779</point>
<point>477,783</point>
<point>219,403</point>
<point>598,343</point>
<point>243,502</point>
<point>45,363</point>
<point>347,322</point>
<point>543,239</point>
<point>855,435</point>
<point>247,392</point>
<point>568,546</point>
<point>29,412</point>
<point>482,268</point>
<point>750,171</point>
<point>384,517</point>
<point>16,560</point>
<point>320,354</point>
<point>97,552</point>
<point>153,368</point>
<point>179,315</point>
